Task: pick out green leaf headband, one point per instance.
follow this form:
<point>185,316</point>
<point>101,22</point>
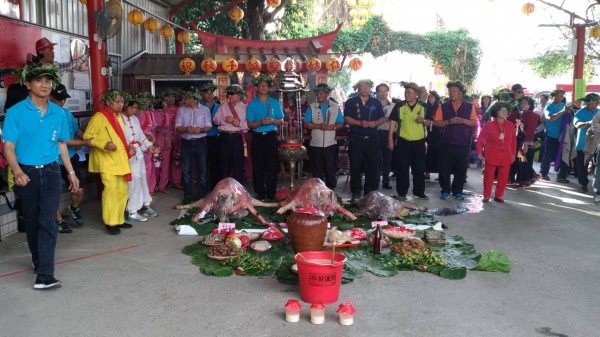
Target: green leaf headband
<point>263,78</point>
<point>111,95</point>
<point>29,73</point>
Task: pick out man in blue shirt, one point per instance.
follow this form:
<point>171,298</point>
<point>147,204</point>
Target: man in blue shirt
<point>59,96</point>
<point>363,113</point>
<point>35,131</point>
<point>554,114</point>
<point>212,156</point>
<point>323,118</point>
<point>264,115</point>
<point>583,120</point>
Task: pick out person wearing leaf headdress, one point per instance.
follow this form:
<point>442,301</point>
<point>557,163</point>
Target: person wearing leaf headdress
<point>212,139</point>
<point>264,115</point>
<point>109,156</point>
<point>583,121</point>
<point>193,123</point>
<point>170,105</point>
<point>364,114</point>
<point>232,124</point>
<point>457,119</point>
<point>163,131</point>
<point>554,115</point>
<point>35,132</point>
<point>145,115</point>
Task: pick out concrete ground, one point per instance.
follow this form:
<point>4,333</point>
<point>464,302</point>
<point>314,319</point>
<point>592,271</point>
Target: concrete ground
<point>140,284</point>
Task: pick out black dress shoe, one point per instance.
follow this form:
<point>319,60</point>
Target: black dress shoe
<point>545,177</point>
<point>113,230</point>
<point>500,200</point>
<point>386,187</point>
<point>125,225</point>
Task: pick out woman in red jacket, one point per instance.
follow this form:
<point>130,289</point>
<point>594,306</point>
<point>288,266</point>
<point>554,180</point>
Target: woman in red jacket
<point>496,145</point>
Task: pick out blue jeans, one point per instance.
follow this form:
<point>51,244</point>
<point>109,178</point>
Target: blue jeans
<point>40,199</point>
<point>550,151</point>
<point>194,151</point>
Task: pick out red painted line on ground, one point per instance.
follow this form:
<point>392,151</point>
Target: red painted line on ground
<point>71,260</point>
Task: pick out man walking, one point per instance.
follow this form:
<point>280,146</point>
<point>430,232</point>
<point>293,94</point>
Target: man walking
<point>35,132</point>
<point>554,115</point>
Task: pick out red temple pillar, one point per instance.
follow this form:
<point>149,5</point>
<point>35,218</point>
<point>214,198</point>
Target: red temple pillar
<point>579,58</point>
<point>97,56</point>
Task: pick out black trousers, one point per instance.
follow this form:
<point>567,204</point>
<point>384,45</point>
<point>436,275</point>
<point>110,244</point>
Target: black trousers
<point>582,172</point>
<point>364,155</point>
<point>231,156</point>
<point>212,161</point>
<point>323,162</point>
<point>411,158</point>
<point>265,160</point>
<point>386,157</point>
<point>526,171</point>
<point>453,160</point>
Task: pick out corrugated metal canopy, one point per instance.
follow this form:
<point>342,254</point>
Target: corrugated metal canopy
<point>160,66</point>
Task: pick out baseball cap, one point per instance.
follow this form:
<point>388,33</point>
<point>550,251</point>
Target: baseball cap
<point>60,93</point>
<point>517,87</point>
<point>43,43</point>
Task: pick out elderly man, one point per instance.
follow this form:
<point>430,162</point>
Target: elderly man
<point>409,123</point>
<point>364,114</point>
<point>583,121</point>
<point>109,157</point>
<point>45,56</point>
<point>232,124</point>
<point>264,115</point>
<point>554,115</point>
<point>193,123</point>
<point>457,119</point>
<point>34,134</point>
<point>323,118</point>
<point>212,146</point>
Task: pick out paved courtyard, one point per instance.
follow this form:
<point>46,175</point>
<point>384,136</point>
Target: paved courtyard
<point>140,284</point>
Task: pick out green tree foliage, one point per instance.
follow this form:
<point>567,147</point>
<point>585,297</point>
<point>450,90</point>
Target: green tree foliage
<point>297,20</point>
<point>456,51</point>
<point>551,63</point>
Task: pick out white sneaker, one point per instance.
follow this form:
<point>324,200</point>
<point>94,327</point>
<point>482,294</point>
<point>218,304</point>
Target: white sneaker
<point>136,217</point>
<point>597,198</point>
<point>149,212</point>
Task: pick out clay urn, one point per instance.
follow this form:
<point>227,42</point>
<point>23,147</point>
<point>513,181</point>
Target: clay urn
<point>307,229</point>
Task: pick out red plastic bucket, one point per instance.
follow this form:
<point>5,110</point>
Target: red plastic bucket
<point>320,280</point>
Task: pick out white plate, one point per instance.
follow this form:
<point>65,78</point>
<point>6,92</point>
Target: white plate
<point>260,246</point>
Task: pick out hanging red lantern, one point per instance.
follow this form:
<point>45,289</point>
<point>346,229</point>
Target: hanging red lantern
<point>355,64</point>
<point>333,65</point>
<point>273,66</point>
<point>253,65</point>
<point>17,2</point>
<point>236,14</point>
<point>208,65</point>
<point>135,17</point>
<point>151,24</point>
<point>167,32</point>
<point>229,65</point>
<point>298,65</point>
<point>183,37</point>
<point>273,3</point>
<point>187,65</point>
<point>528,8</point>
<point>594,32</point>
<point>313,64</point>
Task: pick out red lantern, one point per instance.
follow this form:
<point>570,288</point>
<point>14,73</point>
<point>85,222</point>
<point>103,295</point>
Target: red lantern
<point>135,17</point>
<point>151,24</point>
<point>253,65</point>
<point>313,65</point>
<point>187,65</point>
<point>333,65</point>
<point>229,65</point>
<point>167,32</point>
<point>183,37</point>
<point>274,65</point>
<point>273,3</point>
<point>208,65</point>
<point>298,65</point>
<point>236,14</point>
<point>528,8</point>
<point>355,64</point>
<point>594,32</point>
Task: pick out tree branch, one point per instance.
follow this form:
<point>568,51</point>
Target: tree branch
<point>564,10</point>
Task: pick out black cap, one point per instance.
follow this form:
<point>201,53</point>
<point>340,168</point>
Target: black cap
<point>60,93</point>
<point>517,87</point>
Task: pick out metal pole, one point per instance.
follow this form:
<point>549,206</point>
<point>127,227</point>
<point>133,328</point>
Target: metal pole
<point>579,58</point>
<point>97,56</point>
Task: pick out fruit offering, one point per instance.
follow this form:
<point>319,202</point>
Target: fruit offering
<point>409,246</point>
<point>213,239</point>
<point>223,252</point>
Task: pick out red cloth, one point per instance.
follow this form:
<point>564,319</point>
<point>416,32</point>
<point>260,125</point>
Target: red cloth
<point>496,151</point>
<point>488,180</point>
<point>112,120</point>
<point>530,122</point>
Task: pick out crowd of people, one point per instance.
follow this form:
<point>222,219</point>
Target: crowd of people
<point>190,141</point>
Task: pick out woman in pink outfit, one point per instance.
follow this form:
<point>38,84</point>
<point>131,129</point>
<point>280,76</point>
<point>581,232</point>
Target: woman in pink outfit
<point>496,146</point>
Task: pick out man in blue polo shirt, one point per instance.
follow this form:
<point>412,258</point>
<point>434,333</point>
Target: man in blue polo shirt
<point>554,114</point>
<point>35,134</point>
<point>264,114</point>
<point>363,113</point>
